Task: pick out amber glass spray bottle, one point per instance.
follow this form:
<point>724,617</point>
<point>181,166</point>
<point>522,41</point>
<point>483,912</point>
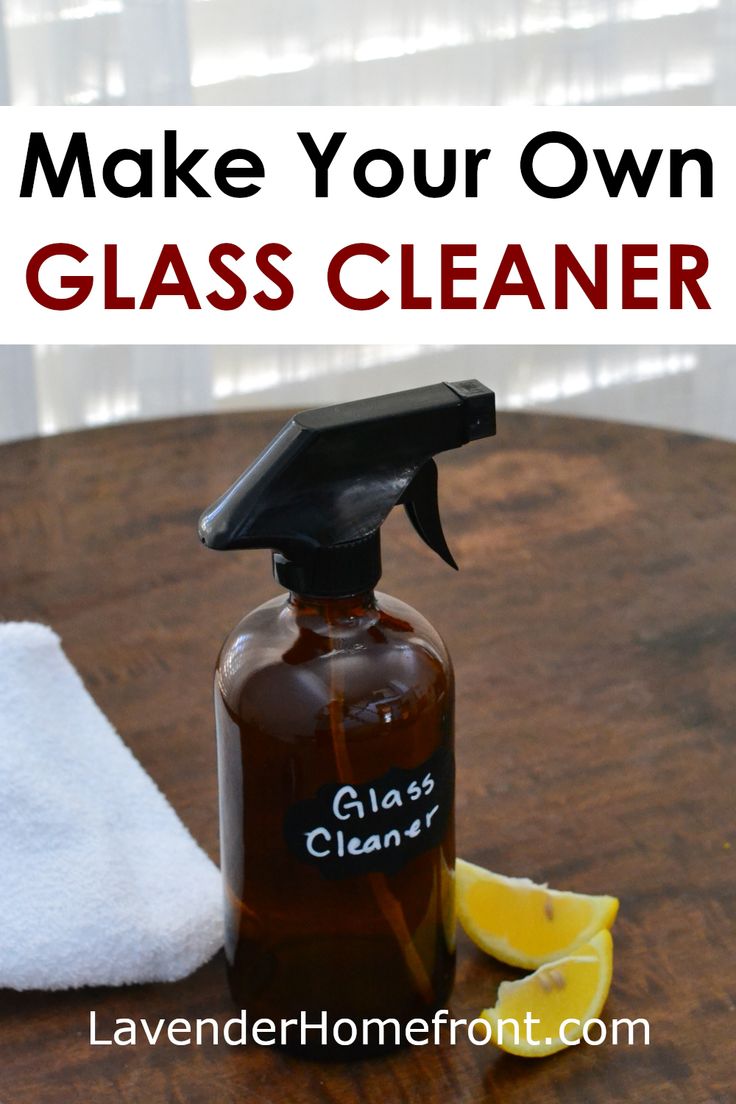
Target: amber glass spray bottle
<point>334,708</point>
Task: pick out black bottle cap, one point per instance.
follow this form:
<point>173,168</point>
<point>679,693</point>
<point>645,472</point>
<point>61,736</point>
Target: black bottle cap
<point>319,493</point>
<point>337,572</point>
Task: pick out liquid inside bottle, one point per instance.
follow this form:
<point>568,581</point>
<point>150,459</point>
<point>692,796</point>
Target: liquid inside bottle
<point>335,760</point>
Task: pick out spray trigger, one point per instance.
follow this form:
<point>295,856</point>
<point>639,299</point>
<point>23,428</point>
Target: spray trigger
<point>422,507</point>
<point>319,493</point>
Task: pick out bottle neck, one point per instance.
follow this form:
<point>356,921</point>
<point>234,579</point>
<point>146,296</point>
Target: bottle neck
<point>333,610</point>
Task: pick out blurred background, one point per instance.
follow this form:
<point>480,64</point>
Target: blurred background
<point>248,52</point>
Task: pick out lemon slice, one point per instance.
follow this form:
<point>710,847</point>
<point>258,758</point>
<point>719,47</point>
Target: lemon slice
<point>560,998</point>
<point>522,923</point>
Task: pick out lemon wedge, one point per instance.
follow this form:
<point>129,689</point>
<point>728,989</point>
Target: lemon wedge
<point>547,1011</point>
<point>522,923</point>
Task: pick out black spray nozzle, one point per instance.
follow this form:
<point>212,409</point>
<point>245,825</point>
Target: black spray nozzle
<point>319,493</point>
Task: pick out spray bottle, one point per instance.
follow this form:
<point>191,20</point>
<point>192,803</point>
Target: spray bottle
<point>335,721</point>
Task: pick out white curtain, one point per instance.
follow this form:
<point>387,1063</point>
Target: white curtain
<point>81,52</point>
<point>367,51</point>
<point>111,52</point>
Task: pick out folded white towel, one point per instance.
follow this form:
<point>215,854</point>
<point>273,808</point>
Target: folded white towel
<point>100,882</point>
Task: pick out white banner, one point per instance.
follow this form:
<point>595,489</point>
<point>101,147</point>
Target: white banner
<point>388,225</point>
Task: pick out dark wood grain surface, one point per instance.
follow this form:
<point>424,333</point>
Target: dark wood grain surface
<point>593,628</point>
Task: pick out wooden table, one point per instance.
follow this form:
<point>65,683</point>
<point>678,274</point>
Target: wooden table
<point>593,628</point>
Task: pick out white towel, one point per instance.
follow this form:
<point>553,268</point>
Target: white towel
<point>100,882</point>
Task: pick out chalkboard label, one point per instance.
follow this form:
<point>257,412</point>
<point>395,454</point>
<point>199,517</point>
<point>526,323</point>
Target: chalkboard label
<point>351,829</point>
